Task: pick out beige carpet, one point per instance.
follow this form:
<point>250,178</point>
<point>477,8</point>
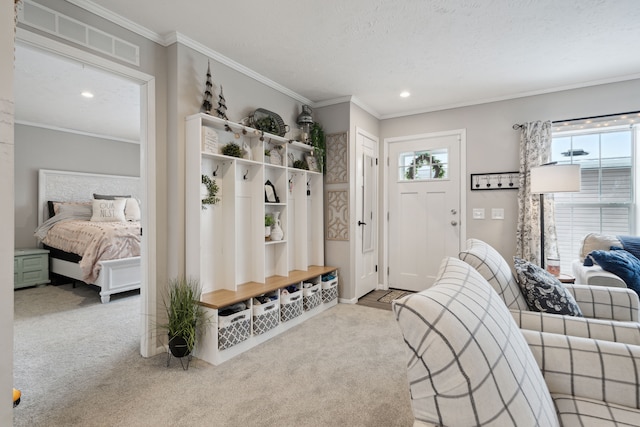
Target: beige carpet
<point>77,363</point>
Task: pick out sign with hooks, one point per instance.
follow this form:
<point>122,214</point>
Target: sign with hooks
<point>495,181</point>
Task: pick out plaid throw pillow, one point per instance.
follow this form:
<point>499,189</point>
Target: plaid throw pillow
<point>543,291</point>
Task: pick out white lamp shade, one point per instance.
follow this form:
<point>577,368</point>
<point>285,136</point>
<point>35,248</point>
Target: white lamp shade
<point>555,179</point>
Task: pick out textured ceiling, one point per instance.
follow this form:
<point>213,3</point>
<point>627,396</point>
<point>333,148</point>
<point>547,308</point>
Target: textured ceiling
<point>447,53</point>
<point>48,93</point>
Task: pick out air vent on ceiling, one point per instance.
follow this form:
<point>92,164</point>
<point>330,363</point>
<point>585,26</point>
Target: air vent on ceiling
<point>57,24</point>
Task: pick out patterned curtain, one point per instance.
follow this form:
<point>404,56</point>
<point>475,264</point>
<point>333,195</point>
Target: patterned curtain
<point>535,150</point>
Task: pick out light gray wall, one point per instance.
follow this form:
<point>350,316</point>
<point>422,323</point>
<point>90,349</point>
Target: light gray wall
<point>492,144</point>
<point>243,95</point>
<point>336,119</point>
<point>39,148</point>
<point>6,210</point>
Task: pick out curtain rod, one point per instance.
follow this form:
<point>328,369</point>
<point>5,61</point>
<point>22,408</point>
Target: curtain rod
<point>519,126</point>
<point>595,117</point>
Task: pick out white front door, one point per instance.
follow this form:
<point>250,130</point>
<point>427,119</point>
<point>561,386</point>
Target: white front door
<point>366,213</point>
<point>424,207</point>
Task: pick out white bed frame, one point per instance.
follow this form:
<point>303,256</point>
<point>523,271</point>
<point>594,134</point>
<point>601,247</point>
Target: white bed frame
<point>117,275</point>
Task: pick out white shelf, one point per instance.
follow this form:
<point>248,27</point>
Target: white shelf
<point>225,246</point>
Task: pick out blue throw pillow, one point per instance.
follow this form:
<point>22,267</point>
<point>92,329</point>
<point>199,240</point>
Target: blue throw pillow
<point>622,264</point>
<point>543,291</point>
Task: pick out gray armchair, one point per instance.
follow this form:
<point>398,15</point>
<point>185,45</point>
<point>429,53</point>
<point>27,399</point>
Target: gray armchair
<point>470,364</point>
<point>609,313</point>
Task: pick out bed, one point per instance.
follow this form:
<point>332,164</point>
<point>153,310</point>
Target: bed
<point>111,259</point>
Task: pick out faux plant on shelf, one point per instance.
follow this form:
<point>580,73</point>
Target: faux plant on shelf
<point>267,124</point>
<point>301,164</point>
<point>317,140</point>
<point>232,149</point>
<point>268,222</point>
<point>212,191</point>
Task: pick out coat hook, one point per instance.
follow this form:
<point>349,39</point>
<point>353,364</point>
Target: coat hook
<point>215,172</point>
<point>245,175</point>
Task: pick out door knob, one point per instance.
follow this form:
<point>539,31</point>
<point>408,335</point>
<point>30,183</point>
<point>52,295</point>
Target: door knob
<point>454,223</point>
<point>362,223</point>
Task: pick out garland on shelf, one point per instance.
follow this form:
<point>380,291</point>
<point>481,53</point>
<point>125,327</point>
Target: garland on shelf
<point>212,191</point>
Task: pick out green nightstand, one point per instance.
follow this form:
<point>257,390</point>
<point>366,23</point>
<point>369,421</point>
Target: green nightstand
<point>30,267</point>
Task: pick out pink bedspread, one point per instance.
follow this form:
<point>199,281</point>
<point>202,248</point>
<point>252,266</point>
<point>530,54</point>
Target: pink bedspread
<point>95,241</point>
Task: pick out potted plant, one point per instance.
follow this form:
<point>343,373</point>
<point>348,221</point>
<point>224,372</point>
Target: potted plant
<point>185,315</point>
<point>268,222</point>
<point>232,149</point>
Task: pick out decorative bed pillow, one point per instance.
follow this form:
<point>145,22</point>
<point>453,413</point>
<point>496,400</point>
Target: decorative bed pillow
<point>132,209</point>
<point>543,291</point>
<point>621,263</point>
<point>54,207</point>
<point>108,210</point>
<point>108,197</point>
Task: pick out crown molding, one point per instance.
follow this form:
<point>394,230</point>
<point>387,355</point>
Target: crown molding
<point>351,99</point>
<point>580,85</point>
<point>76,131</point>
<point>182,39</point>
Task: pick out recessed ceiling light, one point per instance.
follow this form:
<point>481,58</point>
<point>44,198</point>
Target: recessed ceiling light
<point>405,94</point>
<point>87,94</point>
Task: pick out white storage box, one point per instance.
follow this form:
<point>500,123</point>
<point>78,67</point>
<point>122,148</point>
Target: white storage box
<point>330,290</point>
<point>290,306</point>
<point>266,317</point>
<point>311,297</point>
<point>234,328</point>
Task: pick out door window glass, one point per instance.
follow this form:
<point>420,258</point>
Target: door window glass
<point>423,165</point>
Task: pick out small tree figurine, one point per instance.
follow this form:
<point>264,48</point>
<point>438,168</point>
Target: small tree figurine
<point>206,101</point>
<point>222,106</point>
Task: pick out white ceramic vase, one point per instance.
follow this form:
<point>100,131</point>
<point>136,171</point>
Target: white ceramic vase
<point>276,231</point>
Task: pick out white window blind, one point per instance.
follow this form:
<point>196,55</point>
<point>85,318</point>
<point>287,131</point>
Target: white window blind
<point>605,203</point>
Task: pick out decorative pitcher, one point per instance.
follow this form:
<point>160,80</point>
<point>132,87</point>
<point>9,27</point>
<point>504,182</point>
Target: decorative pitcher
<point>276,232</point>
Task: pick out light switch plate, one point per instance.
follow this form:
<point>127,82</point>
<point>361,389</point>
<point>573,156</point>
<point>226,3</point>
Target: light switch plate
<point>478,213</point>
<point>497,213</point>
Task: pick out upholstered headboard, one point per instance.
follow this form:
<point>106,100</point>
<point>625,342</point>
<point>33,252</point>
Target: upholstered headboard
<point>66,186</point>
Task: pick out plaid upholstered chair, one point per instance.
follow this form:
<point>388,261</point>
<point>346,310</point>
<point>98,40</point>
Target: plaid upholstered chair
<point>609,313</point>
<point>469,364</point>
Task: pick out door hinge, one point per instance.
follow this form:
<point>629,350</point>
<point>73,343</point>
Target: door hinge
<point>387,271</point>
<point>387,216</point>
<point>387,161</point>
<point>376,268</point>
<point>376,161</point>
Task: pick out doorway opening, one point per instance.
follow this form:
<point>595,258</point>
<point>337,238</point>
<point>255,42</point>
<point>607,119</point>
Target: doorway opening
<point>147,166</point>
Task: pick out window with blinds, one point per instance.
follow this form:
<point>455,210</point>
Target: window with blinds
<point>606,201</point>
